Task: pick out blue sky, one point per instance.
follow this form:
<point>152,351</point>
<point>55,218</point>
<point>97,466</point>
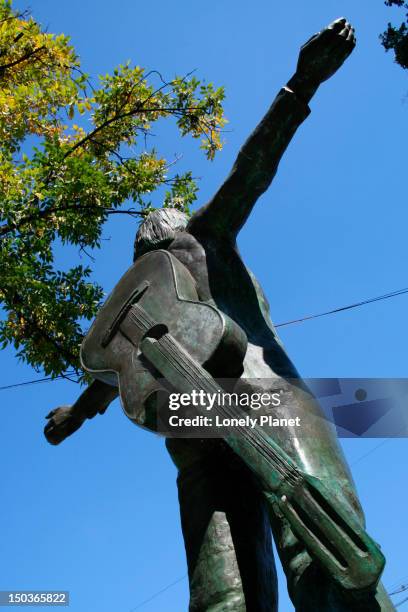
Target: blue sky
<point>99,515</point>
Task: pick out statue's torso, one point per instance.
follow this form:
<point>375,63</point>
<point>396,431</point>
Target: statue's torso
<point>223,279</point>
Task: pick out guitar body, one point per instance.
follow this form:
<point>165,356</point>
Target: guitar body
<point>161,286</point>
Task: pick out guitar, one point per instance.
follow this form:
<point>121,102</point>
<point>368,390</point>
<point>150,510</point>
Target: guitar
<point>152,326</point>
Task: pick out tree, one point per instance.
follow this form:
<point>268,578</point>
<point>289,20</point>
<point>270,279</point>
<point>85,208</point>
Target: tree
<point>396,38</point>
<point>60,180</point>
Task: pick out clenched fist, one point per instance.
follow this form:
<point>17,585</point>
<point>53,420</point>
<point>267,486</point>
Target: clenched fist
<point>326,51</point>
<point>322,56</point>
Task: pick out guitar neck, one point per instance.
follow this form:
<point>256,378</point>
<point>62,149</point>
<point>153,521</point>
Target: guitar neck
<point>186,375</point>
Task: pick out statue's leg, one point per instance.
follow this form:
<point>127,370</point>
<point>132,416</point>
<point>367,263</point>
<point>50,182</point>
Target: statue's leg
<point>226,531</point>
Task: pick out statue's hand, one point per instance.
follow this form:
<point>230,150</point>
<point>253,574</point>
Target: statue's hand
<point>325,52</point>
<point>62,423</point>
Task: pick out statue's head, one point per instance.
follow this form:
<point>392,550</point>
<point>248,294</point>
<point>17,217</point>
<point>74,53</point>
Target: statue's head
<point>158,229</point>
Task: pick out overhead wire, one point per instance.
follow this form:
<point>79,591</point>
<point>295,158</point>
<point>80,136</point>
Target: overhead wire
<point>152,597</point>
<point>171,584</point>
<point>398,583</point>
<point>378,298</point>
<point>400,590</point>
<point>401,602</point>
<point>36,381</point>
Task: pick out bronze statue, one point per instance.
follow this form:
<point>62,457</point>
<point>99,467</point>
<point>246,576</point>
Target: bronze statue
<point>226,518</point>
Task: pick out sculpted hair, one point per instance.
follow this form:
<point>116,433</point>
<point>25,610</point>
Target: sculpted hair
<point>159,229</point>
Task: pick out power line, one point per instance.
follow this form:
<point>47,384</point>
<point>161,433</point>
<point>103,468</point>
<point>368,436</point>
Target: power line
<point>399,582</point>
<point>400,590</point>
<point>401,602</point>
<point>172,584</point>
<point>166,588</point>
<point>38,380</point>
<point>372,450</point>
<point>386,296</point>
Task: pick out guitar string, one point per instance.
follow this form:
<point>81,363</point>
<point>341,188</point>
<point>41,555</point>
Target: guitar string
<point>257,438</point>
<point>233,411</point>
<point>180,361</point>
<point>139,315</point>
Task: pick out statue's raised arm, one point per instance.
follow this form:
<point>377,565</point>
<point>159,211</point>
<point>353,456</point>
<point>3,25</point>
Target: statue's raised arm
<point>258,160</point>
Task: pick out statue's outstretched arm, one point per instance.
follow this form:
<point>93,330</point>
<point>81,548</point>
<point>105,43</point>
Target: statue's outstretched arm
<point>65,420</point>
<point>258,159</point>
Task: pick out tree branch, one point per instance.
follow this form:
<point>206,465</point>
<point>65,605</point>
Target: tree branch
<point>16,299</point>
<point>43,214</point>
<point>135,111</point>
<point>5,67</point>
